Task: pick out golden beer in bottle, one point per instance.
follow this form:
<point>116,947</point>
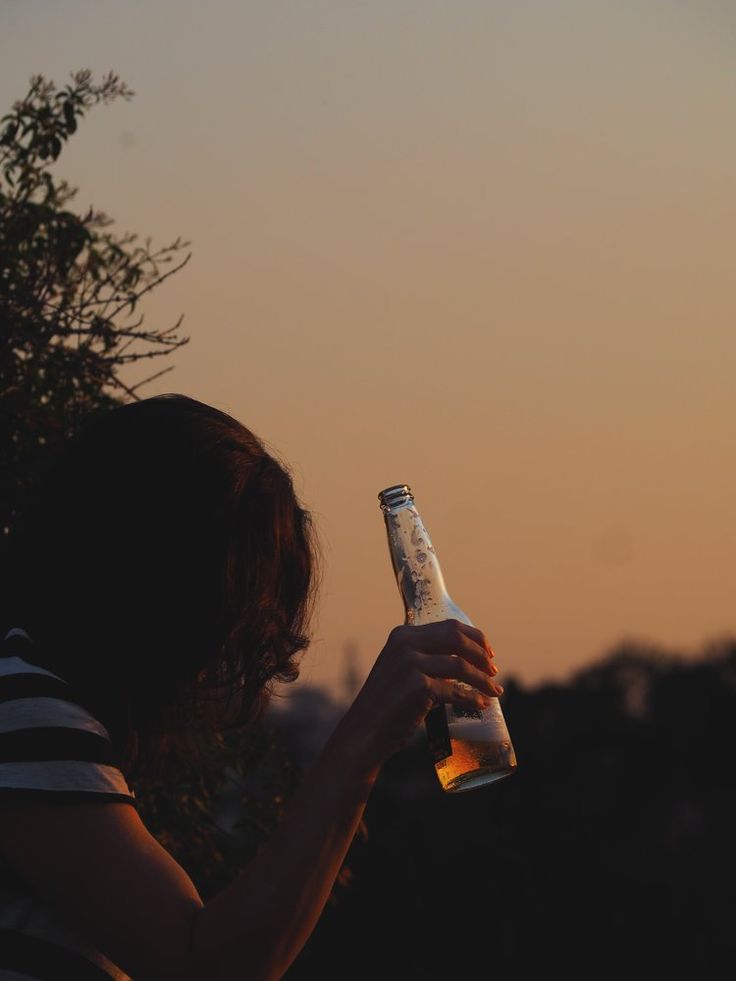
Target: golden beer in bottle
<point>470,747</point>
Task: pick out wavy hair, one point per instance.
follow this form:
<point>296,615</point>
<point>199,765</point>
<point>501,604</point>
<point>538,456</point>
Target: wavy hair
<point>166,569</point>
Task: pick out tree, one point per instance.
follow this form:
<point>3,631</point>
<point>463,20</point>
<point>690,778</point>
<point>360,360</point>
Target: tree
<point>70,288</point>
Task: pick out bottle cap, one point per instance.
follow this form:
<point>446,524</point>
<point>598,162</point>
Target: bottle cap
<point>397,494</point>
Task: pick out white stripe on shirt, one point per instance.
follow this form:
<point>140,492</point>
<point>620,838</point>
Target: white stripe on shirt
<point>64,775</point>
<point>40,711</point>
<point>16,665</point>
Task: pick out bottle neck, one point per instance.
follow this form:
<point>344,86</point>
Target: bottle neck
<point>417,568</point>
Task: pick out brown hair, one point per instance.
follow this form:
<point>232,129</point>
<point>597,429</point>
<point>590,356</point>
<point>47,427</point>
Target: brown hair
<point>166,569</point>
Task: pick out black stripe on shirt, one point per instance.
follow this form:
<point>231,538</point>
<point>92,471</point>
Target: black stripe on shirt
<point>29,685</point>
<point>25,684</point>
<point>55,743</point>
<point>45,960</point>
<point>16,646</point>
<point>22,795</point>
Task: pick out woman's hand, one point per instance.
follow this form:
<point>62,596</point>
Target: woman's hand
<point>418,668</point>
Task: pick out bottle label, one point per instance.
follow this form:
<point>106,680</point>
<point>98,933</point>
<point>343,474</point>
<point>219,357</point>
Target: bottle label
<point>438,734</point>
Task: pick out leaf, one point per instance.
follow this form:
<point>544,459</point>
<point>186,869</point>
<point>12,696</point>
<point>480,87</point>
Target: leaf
<point>9,134</point>
<point>69,117</point>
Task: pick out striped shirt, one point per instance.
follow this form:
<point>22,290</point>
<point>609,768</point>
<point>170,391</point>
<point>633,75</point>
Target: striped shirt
<point>52,750</point>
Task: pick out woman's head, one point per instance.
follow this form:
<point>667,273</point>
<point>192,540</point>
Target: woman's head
<point>165,561</point>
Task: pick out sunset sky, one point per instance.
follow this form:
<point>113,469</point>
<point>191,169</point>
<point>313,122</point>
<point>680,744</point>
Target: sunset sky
<point>484,248</point>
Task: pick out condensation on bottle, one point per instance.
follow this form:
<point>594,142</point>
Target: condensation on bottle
<point>470,747</point>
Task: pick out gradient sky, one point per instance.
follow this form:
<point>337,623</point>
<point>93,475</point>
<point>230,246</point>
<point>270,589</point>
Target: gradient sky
<point>484,248</point>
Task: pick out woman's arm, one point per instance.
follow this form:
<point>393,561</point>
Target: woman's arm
<point>257,925</point>
<point>266,915</point>
<point>100,865</point>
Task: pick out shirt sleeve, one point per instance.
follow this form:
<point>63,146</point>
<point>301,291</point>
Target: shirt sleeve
<point>51,747</point>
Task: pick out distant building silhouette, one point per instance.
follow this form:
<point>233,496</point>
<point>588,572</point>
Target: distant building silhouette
<point>352,676</point>
<point>305,716</point>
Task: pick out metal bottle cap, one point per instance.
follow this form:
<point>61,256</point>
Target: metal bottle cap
<point>397,494</point>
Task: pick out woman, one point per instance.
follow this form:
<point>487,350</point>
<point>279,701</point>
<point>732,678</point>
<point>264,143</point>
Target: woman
<point>163,578</point>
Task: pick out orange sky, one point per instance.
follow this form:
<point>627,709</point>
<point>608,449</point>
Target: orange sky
<point>484,248</point>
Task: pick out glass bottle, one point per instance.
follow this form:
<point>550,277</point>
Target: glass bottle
<point>470,748</point>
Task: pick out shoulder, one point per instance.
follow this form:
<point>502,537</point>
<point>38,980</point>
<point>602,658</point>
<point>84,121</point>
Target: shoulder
<point>51,745</point>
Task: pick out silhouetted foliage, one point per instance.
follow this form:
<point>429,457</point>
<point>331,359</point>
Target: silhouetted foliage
<point>69,288</point>
<point>214,816</point>
<point>613,848</point>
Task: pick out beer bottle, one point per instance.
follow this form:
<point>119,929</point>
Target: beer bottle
<point>470,747</point>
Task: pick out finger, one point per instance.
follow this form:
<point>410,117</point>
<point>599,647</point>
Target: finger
<point>448,692</point>
<point>451,666</point>
<point>453,637</point>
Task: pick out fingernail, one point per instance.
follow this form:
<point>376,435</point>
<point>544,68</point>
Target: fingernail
<point>485,701</point>
<point>498,689</point>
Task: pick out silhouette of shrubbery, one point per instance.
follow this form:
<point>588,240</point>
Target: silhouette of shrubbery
<point>612,847</point>
<point>70,289</point>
